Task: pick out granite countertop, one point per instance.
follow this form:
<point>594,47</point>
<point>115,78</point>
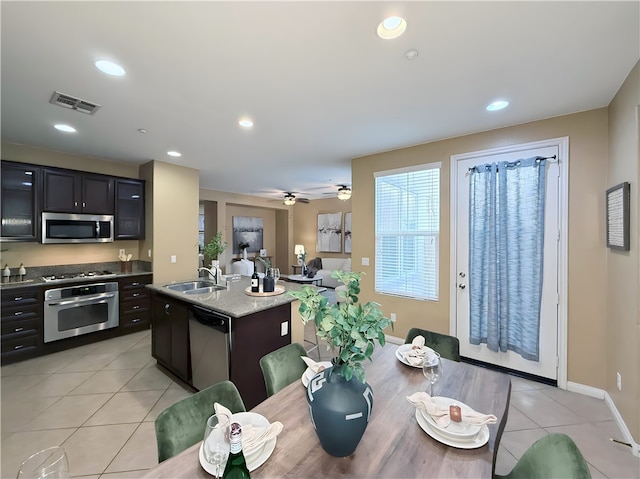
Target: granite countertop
<point>232,301</point>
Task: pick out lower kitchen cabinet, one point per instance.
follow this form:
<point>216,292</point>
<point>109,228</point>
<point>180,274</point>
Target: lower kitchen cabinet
<point>170,335</point>
<point>21,336</point>
<point>135,302</point>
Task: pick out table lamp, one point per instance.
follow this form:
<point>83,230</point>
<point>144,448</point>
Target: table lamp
<point>299,250</point>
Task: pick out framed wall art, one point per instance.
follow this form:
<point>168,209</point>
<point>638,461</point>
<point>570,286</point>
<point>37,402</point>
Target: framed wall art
<point>347,232</point>
<point>247,229</point>
<point>618,204</point>
<point>329,233</point>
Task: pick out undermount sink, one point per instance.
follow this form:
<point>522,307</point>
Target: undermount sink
<point>195,287</point>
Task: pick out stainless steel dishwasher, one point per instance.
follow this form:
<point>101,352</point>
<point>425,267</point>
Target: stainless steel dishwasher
<point>209,345</point>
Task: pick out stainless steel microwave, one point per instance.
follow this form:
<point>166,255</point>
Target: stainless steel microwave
<point>76,228</point>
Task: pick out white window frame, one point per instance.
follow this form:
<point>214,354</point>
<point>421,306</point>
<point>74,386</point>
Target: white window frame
<point>410,267</point>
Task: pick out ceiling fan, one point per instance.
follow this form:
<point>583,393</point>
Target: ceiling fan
<point>343,193</point>
<point>290,199</point>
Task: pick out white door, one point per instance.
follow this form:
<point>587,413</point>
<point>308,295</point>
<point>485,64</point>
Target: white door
<point>547,366</point>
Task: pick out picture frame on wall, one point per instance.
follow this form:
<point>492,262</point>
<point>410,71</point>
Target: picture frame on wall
<point>618,219</point>
<point>329,233</point>
<point>347,232</point>
<point>247,229</point>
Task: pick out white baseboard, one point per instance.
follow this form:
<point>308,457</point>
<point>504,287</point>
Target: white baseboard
<point>393,339</point>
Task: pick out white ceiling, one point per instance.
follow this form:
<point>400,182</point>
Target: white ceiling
<point>319,84</point>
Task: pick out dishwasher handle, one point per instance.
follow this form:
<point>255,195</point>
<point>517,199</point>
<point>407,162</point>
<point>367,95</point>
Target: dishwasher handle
<point>210,318</point>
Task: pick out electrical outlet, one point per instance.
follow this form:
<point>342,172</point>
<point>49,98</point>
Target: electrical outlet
<point>619,381</point>
<point>284,328</point>
<point>393,317</point>
<point>121,252</point>
<point>174,259</point>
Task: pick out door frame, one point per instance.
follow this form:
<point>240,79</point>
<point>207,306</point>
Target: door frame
<point>562,144</point>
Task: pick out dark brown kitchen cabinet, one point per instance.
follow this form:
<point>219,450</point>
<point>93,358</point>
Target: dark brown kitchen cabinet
<point>21,319</point>
<point>170,335</point>
<point>70,191</point>
<point>135,302</point>
<point>19,202</point>
<point>129,209</point>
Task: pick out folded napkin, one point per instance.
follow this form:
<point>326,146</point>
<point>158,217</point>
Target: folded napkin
<point>315,367</point>
<point>440,414</point>
<point>252,436</point>
<point>418,352</point>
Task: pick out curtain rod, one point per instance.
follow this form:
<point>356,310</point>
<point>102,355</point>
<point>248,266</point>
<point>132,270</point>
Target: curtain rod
<point>514,163</point>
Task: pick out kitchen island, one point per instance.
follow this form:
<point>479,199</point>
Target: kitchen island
<point>245,328</point>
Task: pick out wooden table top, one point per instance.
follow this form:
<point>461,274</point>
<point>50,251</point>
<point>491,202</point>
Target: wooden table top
<point>393,446</point>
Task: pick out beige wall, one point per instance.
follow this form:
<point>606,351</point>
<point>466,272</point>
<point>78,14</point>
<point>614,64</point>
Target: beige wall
<point>36,254</point>
<point>305,226</point>
<point>587,324</point>
<point>623,268</point>
<point>175,207</point>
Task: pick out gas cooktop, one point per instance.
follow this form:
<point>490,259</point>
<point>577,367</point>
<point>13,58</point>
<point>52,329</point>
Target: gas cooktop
<point>78,275</point>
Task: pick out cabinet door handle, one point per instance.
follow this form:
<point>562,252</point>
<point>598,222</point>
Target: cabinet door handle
<point>84,204</point>
<point>136,307</point>
<point>75,203</point>
<point>135,284</point>
<point>19,346</point>
<point>17,330</point>
<point>135,295</point>
<point>17,313</point>
<point>166,309</point>
<point>137,320</point>
<point>18,298</point>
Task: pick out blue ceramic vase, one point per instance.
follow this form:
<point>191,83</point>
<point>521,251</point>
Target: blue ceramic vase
<point>339,409</point>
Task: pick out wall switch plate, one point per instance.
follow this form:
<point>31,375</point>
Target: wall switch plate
<point>284,328</point>
<point>393,317</point>
<point>173,258</point>
<point>149,252</point>
<point>619,381</point>
<point>365,261</point>
<point>121,252</point>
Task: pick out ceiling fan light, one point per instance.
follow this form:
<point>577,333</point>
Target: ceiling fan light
<point>289,200</point>
<point>344,193</point>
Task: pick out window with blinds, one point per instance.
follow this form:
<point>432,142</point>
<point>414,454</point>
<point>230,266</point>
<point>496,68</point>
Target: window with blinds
<point>407,225</point>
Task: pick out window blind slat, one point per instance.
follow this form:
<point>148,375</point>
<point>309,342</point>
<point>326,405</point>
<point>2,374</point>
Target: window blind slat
<point>407,223</point>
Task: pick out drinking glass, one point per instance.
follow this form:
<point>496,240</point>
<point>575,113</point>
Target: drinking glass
<point>216,441</point>
<point>275,272</point>
<point>50,463</point>
<point>432,369</point>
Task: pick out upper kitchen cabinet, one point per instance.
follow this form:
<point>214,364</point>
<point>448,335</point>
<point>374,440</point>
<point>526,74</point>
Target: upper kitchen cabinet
<point>69,191</point>
<point>129,209</point>
<point>19,201</point>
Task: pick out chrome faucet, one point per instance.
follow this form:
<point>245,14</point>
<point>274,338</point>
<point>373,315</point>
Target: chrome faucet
<point>213,273</point>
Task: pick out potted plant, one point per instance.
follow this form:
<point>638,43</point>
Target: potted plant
<point>215,247</point>
<point>351,330</point>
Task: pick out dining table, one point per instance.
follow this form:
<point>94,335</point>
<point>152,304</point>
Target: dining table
<point>393,445</point>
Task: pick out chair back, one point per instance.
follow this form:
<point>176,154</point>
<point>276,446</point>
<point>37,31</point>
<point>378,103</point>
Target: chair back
<point>555,456</point>
<point>447,346</point>
<point>182,424</point>
<point>282,367</point>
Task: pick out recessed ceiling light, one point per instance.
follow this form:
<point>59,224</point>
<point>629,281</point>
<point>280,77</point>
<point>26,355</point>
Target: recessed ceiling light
<point>391,27</point>
<point>65,128</point>
<point>498,105</point>
<point>142,130</point>
<point>174,153</point>
<point>110,68</point>
<point>245,123</point>
<point>411,54</point>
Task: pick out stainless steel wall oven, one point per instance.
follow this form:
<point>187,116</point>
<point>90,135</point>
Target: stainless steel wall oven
<point>80,309</point>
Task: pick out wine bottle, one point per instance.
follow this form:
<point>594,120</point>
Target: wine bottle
<point>236,467</point>
<point>268,283</point>
<point>255,281</point>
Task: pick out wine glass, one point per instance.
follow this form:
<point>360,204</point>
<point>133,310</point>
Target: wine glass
<point>432,369</point>
<point>216,441</point>
<point>50,463</point>
<point>275,272</point>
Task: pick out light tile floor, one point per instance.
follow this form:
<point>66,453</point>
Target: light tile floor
<point>99,402</point>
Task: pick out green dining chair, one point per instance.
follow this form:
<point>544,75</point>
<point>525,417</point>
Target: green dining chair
<point>555,456</point>
<point>182,424</point>
<point>282,367</point>
<point>447,346</point>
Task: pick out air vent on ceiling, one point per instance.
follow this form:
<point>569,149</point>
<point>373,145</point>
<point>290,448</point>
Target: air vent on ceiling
<point>73,103</point>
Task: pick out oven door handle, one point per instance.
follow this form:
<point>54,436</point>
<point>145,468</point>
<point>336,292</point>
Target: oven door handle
<point>83,300</point>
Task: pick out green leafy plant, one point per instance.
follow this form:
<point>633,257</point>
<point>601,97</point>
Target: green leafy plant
<point>349,328</point>
<point>215,247</point>
<point>265,261</point>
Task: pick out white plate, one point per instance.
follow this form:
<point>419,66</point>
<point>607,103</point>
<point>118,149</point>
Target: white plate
<point>402,350</point>
<point>456,431</point>
<point>479,441</point>
<point>257,457</point>
<point>308,374</point>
